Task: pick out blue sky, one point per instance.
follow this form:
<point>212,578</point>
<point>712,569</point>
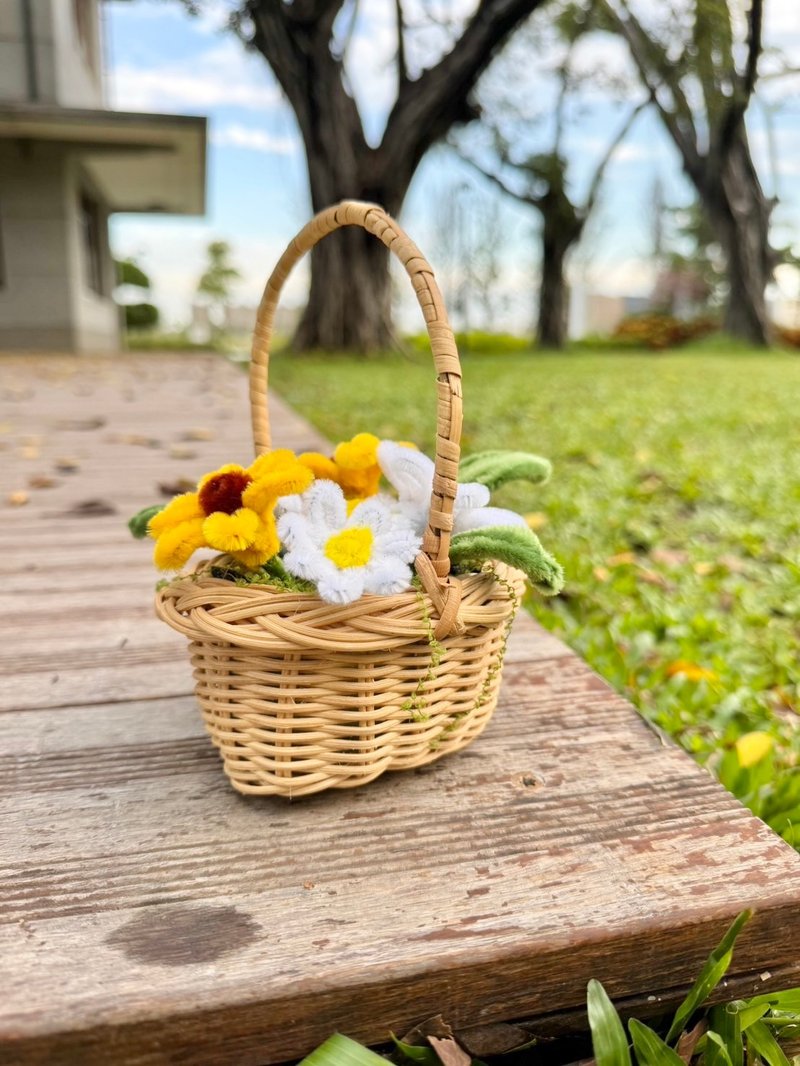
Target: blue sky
<point>160,59</point>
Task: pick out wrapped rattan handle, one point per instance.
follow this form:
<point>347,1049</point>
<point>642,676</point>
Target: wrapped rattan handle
<point>433,565</point>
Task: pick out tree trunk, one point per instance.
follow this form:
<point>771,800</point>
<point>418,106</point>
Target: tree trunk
<point>558,236</point>
<point>739,214</point>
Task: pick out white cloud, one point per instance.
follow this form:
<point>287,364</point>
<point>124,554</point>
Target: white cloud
<point>238,136</point>
<point>221,76</point>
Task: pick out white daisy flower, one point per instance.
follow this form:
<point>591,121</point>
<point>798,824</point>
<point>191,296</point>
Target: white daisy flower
<point>411,474</point>
<point>371,550</point>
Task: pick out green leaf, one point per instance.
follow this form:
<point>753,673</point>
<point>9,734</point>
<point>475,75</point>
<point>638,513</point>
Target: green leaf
<point>763,1043</point>
<point>788,1000</point>
<point>751,1012</point>
<point>513,545</point>
<point>138,524</point>
<point>340,1050</point>
<point>726,1023</point>
<point>650,1048</point>
<point>496,468</point>
<point>417,1052</point>
<point>716,1051</point>
<point>608,1037</point>
<point>713,971</point>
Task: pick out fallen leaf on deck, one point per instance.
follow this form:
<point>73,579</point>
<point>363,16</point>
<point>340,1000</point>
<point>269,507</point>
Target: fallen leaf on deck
<point>180,451</point>
<point>29,451</point>
<point>691,671</point>
<point>66,465</point>
<point>89,509</point>
<point>17,499</point>
<point>135,438</point>
<point>42,481</point>
<point>198,434</point>
<point>450,1053</point>
<point>177,487</point>
<point>80,423</point>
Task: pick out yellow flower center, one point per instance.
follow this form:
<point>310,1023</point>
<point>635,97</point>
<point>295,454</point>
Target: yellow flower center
<point>351,547</point>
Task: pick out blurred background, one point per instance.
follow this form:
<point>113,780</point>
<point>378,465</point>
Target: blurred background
<point>574,171</point>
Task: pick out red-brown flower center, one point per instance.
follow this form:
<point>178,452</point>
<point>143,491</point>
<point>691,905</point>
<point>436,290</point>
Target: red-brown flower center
<point>223,492</point>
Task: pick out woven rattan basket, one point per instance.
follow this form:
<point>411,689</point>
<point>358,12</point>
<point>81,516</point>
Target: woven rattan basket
<point>300,695</point>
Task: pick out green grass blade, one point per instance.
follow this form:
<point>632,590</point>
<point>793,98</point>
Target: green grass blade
<point>713,971</point>
<point>763,1043</point>
<point>751,1012</point>
<point>716,1052</point>
<point>339,1050</point>
<point>608,1037</point>
<point>417,1052</point>
<point>726,1022</point>
<point>788,1000</point>
<point>650,1048</point>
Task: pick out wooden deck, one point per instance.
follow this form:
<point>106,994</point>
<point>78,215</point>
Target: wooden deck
<point>150,915</point>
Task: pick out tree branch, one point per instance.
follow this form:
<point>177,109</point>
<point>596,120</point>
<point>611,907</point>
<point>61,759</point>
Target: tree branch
<point>746,83</point>
<point>655,70</point>
<point>599,173</point>
<point>530,199</point>
<point>402,64</point>
<point>427,107</point>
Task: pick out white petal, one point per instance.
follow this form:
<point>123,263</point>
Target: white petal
<point>480,517</point>
<point>289,503</point>
<point>409,471</point>
<point>472,494</point>
<point>416,514</point>
<point>374,512</point>
<point>342,586</point>
<point>325,505</point>
<point>293,529</point>
<point>401,542</point>
<point>387,576</point>
<point>303,564</point>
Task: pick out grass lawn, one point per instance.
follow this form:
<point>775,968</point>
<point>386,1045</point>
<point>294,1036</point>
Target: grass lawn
<point>674,507</point>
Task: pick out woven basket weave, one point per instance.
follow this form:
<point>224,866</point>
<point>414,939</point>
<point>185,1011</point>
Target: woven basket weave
<point>300,695</point>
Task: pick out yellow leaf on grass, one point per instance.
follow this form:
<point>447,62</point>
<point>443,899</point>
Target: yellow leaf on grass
<point>691,671</point>
<point>703,568</point>
<point>621,559</point>
<point>601,574</point>
<point>536,520</point>
<point>752,748</point>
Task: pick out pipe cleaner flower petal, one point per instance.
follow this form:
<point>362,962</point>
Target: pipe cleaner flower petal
<point>183,508</point>
<point>177,544</point>
<point>344,555</point>
<point>231,532</point>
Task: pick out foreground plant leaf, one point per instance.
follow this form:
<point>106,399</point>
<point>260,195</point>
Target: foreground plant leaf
<point>138,524</point>
<point>512,545</point>
<point>339,1050</point>
<point>761,1042</point>
<point>713,971</point>
<point>608,1037</point>
<point>650,1048</point>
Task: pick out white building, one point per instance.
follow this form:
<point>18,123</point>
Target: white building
<point>67,163</point>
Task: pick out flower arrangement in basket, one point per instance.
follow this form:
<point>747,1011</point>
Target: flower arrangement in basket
<point>345,630</point>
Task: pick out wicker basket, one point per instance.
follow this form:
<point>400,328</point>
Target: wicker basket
<point>300,695</point>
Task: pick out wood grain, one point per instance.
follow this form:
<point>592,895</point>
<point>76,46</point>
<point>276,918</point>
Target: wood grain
<point>149,915</point>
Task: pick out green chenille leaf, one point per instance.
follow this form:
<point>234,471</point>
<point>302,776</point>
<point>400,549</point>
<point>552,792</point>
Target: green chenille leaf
<point>496,468</point>
<point>513,545</point>
<point>138,524</point>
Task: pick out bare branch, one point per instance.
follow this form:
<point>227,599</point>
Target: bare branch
<point>746,83</point>
<point>528,198</point>
<point>599,173</point>
<point>402,64</point>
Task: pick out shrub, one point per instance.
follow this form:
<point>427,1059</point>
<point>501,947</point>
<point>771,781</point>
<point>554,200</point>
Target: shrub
<point>656,330</point>
<point>141,316</point>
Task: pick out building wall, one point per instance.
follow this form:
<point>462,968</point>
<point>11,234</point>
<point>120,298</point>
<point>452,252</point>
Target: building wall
<point>45,299</point>
<point>67,53</point>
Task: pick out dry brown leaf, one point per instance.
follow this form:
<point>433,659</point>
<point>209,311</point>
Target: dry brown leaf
<point>135,438</point>
<point>80,423</point>
<point>687,1042</point>
<point>198,434</point>
<point>733,563</point>
<point>180,451</point>
<point>669,557</point>
<point>66,465</point>
<point>18,498</point>
<point>435,1026</point>
<point>29,451</point>
<point>449,1052</point>
<point>650,577</point>
<point>601,574</point>
<point>90,509</point>
<point>177,487</point>
<point>42,481</point>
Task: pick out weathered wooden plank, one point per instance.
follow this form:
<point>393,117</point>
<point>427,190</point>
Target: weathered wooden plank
<point>569,853</point>
<point>150,915</point>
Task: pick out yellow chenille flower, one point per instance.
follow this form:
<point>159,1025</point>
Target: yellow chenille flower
<point>232,512</point>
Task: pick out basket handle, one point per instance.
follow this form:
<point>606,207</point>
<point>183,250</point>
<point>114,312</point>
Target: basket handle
<point>433,563</point>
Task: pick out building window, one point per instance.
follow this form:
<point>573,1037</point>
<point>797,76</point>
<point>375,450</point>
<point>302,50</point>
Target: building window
<point>92,234</point>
